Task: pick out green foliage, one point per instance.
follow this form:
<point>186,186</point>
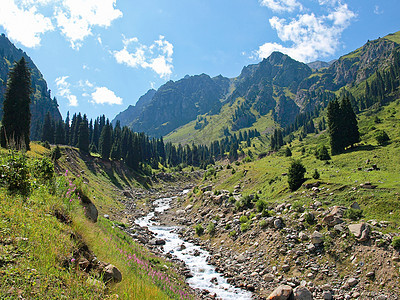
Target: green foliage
<point>381,137</point>
<point>309,218</point>
<point>316,174</point>
<point>56,153</point>
<point>232,233</point>
<point>244,203</point>
<point>210,228</point>
<point>199,229</point>
<point>353,214</point>
<point>322,153</point>
<point>396,242</point>
<point>243,219</point>
<point>261,205</point>
<point>288,152</point>
<point>296,175</point>
<point>263,224</point>
<point>244,227</point>
<point>15,128</point>
<point>43,169</point>
<point>15,173</point>
<point>297,206</point>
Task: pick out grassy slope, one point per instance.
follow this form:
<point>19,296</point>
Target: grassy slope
<point>33,243</point>
<point>341,177</point>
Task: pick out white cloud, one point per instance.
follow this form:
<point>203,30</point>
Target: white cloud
<point>64,90</point>
<point>157,56</point>
<point>76,18</point>
<point>309,36</point>
<point>24,23</point>
<point>281,5</point>
<point>377,10</point>
<point>103,95</point>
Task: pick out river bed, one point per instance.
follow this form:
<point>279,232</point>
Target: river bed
<point>205,276</point>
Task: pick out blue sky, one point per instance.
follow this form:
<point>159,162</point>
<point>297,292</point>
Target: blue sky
<point>99,56</point>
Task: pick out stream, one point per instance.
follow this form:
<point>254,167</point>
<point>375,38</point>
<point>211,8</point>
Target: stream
<point>205,276</point>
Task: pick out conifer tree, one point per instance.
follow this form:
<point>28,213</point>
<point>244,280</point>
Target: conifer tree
<point>83,135</point>
<point>333,114</point>
<point>105,141</point>
<point>47,130</point>
<point>16,111</point>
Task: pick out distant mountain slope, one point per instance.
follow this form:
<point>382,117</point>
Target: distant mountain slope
<point>41,102</point>
<point>277,89</point>
<point>177,103</point>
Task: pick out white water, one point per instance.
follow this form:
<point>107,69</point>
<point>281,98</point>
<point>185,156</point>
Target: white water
<point>202,271</point>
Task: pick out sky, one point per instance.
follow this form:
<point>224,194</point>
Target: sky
<point>99,56</point>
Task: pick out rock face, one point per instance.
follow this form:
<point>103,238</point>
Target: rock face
<point>282,292</point>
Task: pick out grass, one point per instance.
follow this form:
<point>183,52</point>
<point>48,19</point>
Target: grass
<point>34,244</point>
<point>341,177</point>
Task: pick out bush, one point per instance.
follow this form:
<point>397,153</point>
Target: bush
<point>243,219</point>
<point>15,174</point>
<point>310,218</point>
<point>43,169</point>
<point>261,205</point>
<point>263,224</point>
<point>244,226</point>
<point>322,153</point>
<point>56,153</point>
<point>288,152</point>
<point>315,174</point>
<point>199,229</point>
<point>353,214</point>
<point>396,242</point>
<point>296,175</point>
<point>381,137</point>
<point>297,206</point>
<point>211,228</point>
<point>232,233</point>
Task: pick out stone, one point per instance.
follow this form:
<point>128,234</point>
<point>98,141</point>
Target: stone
<point>370,274</point>
<point>91,211</point>
<point>269,277</point>
<point>360,231</point>
<point>241,258</point>
<point>317,238</point>
<point>111,273</point>
<point>278,223</point>
<point>285,268</point>
<point>338,228</point>
<point>327,295</point>
<point>355,205</point>
<point>352,282</point>
<point>207,188</point>
<point>303,236</point>
<point>282,292</point>
<point>302,293</point>
<point>331,220</point>
<point>127,194</point>
<point>106,217</point>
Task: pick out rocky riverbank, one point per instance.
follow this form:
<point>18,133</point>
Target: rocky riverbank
<point>315,252</point>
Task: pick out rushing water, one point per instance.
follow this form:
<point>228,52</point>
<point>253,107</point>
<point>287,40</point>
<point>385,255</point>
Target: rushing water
<point>204,275</point>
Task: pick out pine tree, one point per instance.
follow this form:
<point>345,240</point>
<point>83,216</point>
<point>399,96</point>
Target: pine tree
<point>349,123</point>
<point>333,114</point>
<point>16,111</point>
<point>47,130</point>
<point>83,135</point>
<point>105,141</point>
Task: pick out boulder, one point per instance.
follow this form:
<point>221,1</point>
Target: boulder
<point>91,211</point>
<point>282,292</point>
<point>303,236</point>
<point>355,205</point>
<point>269,277</point>
<point>317,238</point>
<point>278,224</point>
<point>111,273</point>
<point>302,293</point>
<point>327,295</point>
<point>360,231</point>
<point>352,282</point>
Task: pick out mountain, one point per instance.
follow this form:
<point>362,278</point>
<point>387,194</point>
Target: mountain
<point>265,95</point>
<point>41,101</point>
<point>175,104</point>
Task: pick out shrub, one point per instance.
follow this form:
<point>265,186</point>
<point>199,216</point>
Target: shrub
<point>381,137</point>
<point>297,206</point>
<point>263,224</point>
<point>322,153</point>
<point>353,214</point>
<point>244,226</point>
<point>43,169</point>
<point>288,152</point>
<point>315,174</point>
<point>261,205</point>
<point>228,226</point>
<point>232,233</point>
<point>211,228</point>
<point>243,219</point>
<point>15,174</point>
<point>199,229</point>
<point>310,218</point>
<point>296,175</point>
<point>396,242</point>
<point>56,153</point>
